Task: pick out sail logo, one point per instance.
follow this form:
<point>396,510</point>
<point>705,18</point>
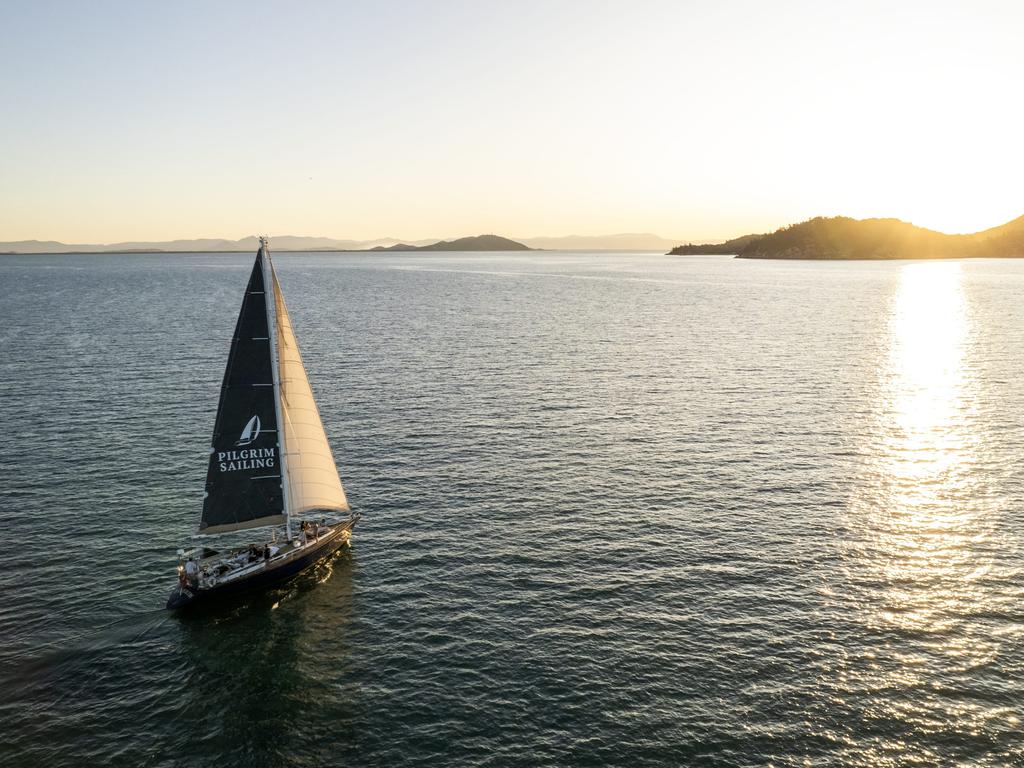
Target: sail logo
<point>247,458</point>
<point>251,432</point>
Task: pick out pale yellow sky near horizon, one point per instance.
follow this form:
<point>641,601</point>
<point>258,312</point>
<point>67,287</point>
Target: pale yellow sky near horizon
<point>691,120</point>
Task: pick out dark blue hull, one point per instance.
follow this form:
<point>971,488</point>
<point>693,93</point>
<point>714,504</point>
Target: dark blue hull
<point>183,597</point>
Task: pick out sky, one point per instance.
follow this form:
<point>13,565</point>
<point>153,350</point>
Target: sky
<point>148,120</point>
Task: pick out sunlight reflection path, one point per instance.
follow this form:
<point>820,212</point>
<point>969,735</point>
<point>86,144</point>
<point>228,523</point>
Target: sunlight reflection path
<point>922,523</point>
<point>930,514</point>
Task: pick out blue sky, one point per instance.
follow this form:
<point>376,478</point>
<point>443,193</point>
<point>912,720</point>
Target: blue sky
<point>695,120</point>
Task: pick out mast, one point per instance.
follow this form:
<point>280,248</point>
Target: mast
<point>273,331</point>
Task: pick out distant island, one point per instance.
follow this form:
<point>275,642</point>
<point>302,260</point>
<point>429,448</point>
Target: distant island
<point>840,238</point>
<point>729,247</point>
<point>284,243</point>
<point>476,243</point>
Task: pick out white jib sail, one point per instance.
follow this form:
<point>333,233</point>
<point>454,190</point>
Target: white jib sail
<point>312,476</point>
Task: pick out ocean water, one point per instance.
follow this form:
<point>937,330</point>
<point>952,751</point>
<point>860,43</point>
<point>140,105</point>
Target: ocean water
<point>619,509</point>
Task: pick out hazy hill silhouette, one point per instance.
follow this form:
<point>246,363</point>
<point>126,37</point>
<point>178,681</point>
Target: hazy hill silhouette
<point>476,243</point>
<point>841,237</point>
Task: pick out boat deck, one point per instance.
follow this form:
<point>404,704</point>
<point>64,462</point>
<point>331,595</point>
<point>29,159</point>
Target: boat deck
<point>224,568</point>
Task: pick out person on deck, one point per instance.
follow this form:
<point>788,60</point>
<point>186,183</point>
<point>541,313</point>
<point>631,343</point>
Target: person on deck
<point>191,571</point>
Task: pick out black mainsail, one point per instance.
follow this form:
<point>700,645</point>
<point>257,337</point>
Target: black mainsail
<point>244,476</point>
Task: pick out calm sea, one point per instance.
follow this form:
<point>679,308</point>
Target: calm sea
<point>623,510</point>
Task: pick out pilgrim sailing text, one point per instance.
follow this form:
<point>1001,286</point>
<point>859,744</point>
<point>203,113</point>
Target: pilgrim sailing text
<point>252,458</point>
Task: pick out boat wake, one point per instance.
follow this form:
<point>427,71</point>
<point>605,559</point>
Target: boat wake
<point>122,633</point>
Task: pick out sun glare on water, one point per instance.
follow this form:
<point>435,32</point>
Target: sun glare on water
<point>924,522</point>
<point>928,386</point>
<point>928,448</point>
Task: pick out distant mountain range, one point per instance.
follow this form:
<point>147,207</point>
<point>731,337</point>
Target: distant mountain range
<point>204,245</point>
<point>838,237</point>
<point>841,237</point>
<point>620,242</point>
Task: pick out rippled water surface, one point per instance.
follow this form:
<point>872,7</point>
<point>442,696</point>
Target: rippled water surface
<point>618,510</point>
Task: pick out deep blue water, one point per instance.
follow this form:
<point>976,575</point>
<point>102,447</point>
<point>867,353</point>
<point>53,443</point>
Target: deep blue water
<point>618,510</point>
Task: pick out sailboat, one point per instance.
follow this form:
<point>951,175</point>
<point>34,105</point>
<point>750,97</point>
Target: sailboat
<point>270,464</point>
